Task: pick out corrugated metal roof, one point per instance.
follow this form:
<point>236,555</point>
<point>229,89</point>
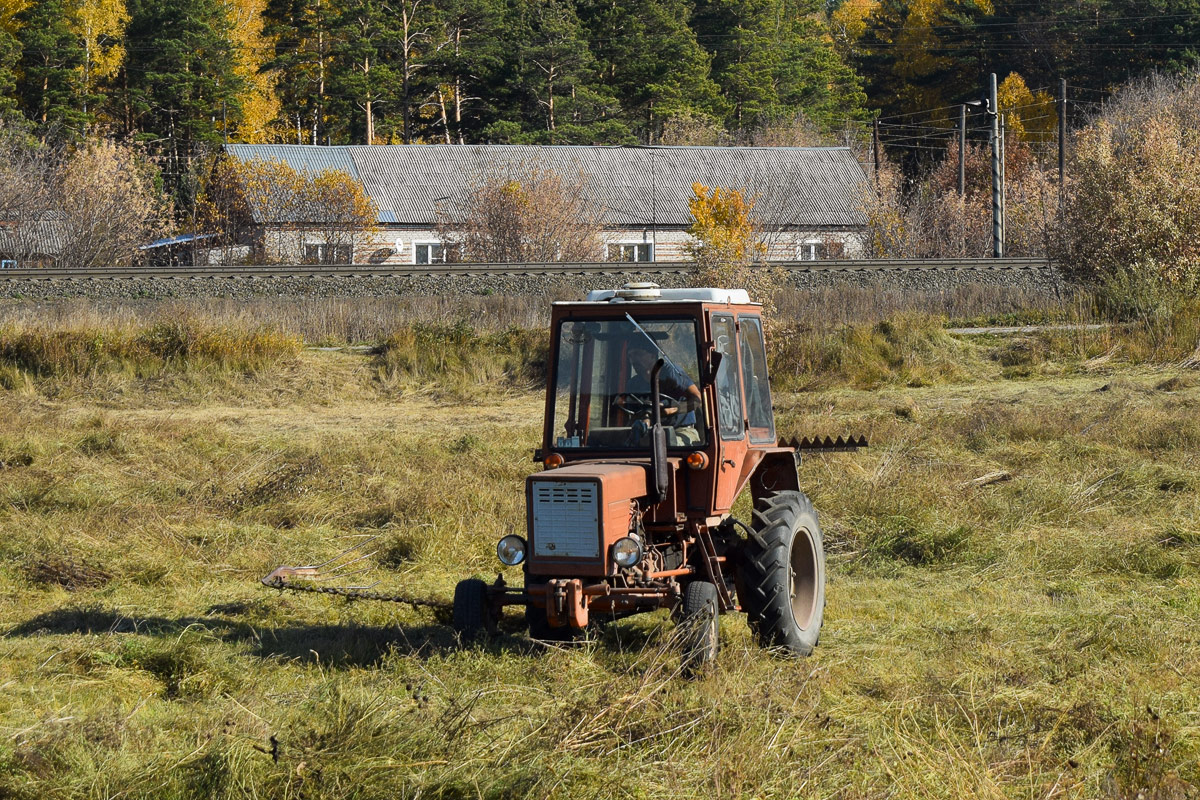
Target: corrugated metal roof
<point>804,187</point>
<point>28,238</point>
<point>307,157</point>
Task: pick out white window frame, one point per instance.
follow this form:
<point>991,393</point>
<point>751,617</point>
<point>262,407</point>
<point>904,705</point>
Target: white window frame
<point>430,243</point>
<point>322,247</point>
<point>633,243</point>
<point>8,263</point>
<point>807,250</point>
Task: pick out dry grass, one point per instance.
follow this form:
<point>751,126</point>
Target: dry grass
<point>1032,638</point>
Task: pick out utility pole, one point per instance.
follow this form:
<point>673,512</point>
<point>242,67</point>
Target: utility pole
<point>1062,136</point>
<point>997,179</point>
<point>962,150</point>
<point>875,147</point>
<point>1003,181</point>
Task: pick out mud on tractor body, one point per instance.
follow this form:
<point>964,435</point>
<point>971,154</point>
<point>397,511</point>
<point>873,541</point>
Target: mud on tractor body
<point>658,416</point>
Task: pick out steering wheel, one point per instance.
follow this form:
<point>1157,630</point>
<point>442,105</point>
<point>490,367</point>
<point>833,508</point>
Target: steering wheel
<point>639,406</point>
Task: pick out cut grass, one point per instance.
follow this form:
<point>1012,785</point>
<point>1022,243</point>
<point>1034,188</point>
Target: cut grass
<point>1029,638</point>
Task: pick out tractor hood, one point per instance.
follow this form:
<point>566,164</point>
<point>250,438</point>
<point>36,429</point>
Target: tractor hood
<point>575,514</point>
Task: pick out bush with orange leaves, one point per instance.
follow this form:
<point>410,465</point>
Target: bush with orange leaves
<point>268,204</point>
<point>726,243</point>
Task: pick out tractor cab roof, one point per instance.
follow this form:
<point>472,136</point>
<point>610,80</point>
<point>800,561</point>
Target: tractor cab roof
<point>650,293</point>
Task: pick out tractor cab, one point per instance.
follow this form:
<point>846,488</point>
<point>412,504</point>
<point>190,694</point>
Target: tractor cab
<point>714,395</point>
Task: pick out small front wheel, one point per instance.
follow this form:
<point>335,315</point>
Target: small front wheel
<point>473,615</point>
<point>700,626</point>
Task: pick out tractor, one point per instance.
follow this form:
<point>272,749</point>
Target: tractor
<point>658,416</point>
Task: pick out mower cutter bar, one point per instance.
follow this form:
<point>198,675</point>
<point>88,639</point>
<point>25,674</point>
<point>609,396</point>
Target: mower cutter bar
<point>827,445</point>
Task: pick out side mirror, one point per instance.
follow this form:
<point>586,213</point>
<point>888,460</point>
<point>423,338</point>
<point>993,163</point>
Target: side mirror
<point>714,364</point>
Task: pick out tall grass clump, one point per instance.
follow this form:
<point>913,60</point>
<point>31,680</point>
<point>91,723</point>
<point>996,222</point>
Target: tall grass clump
<point>909,349</point>
<point>146,351</point>
<point>458,356</point>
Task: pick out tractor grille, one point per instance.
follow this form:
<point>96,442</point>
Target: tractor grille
<point>566,519</point>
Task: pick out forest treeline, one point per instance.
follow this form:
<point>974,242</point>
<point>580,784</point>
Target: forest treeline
<point>184,75</point>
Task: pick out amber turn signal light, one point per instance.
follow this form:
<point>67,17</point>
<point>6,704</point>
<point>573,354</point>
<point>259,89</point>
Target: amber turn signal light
<point>697,460</point>
<point>553,460</point>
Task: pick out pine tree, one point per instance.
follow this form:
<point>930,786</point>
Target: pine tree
<point>10,54</point>
<point>650,59</point>
<point>467,56</point>
<point>51,91</point>
<point>362,79</point>
<point>555,81</point>
<point>302,61</point>
<point>180,83</point>
<point>775,58</point>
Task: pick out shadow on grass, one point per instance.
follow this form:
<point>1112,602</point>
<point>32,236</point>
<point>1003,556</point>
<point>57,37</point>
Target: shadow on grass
<point>348,645</point>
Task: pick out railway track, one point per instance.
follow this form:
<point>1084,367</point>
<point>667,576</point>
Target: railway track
<point>551,269</point>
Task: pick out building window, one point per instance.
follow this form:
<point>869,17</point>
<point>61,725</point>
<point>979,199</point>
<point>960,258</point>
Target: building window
<point>631,251</point>
<point>817,250</point>
<point>323,253</point>
<point>812,250</point>
<point>429,253</point>
<point>8,264</point>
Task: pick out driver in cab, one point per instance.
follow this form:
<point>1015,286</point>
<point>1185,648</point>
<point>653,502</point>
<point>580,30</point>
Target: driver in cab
<point>676,387</point>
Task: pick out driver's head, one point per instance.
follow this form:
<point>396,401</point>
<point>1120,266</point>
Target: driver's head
<point>642,357</point>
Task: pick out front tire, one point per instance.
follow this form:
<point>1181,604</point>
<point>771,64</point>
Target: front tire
<point>783,574</point>
<point>701,622</point>
<point>473,616</point>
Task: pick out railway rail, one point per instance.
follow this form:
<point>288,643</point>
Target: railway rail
<point>551,269</point>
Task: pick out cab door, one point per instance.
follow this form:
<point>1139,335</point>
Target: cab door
<point>731,426</point>
<point>760,419</point>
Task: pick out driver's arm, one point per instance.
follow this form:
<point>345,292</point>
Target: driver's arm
<point>690,401</point>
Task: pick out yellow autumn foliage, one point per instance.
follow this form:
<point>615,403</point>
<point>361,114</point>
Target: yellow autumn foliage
<point>726,242</point>
<point>9,9</point>
<point>1029,116</point>
<point>260,104</point>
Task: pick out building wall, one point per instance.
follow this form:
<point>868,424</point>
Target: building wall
<point>395,245</point>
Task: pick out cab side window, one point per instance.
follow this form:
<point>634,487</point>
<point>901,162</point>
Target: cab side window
<point>729,394</point>
<point>754,378</point>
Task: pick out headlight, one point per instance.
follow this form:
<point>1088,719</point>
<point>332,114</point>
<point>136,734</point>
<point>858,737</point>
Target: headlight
<point>626,551</point>
<point>511,550</point>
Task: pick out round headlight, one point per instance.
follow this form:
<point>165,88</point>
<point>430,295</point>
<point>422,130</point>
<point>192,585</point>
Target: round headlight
<point>511,550</point>
<point>627,551</point>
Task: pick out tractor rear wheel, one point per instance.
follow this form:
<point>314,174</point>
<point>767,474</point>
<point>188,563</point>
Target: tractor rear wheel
<point>701,622</point>
<point>473,615</point>
<point>782,570</point>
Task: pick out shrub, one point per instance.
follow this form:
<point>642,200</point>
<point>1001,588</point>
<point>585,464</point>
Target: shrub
<point>459,355</point>
<point>1132,217</point>
<point>44,352</point>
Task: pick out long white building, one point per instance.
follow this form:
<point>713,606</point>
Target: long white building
<point>808,199</point>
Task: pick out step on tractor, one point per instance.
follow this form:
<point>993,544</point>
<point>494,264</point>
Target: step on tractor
<point>658,416</point>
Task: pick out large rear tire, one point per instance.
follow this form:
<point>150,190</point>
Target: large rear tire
<point>473,616</point>
<point>701,623</point>
<point>783,574</point>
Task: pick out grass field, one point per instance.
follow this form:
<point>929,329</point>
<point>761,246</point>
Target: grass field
<point>1032,637</point>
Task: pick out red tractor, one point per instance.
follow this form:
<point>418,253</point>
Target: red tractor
<point>658,416</point>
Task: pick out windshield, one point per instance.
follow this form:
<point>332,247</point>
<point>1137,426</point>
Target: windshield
<point>602,383</point>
